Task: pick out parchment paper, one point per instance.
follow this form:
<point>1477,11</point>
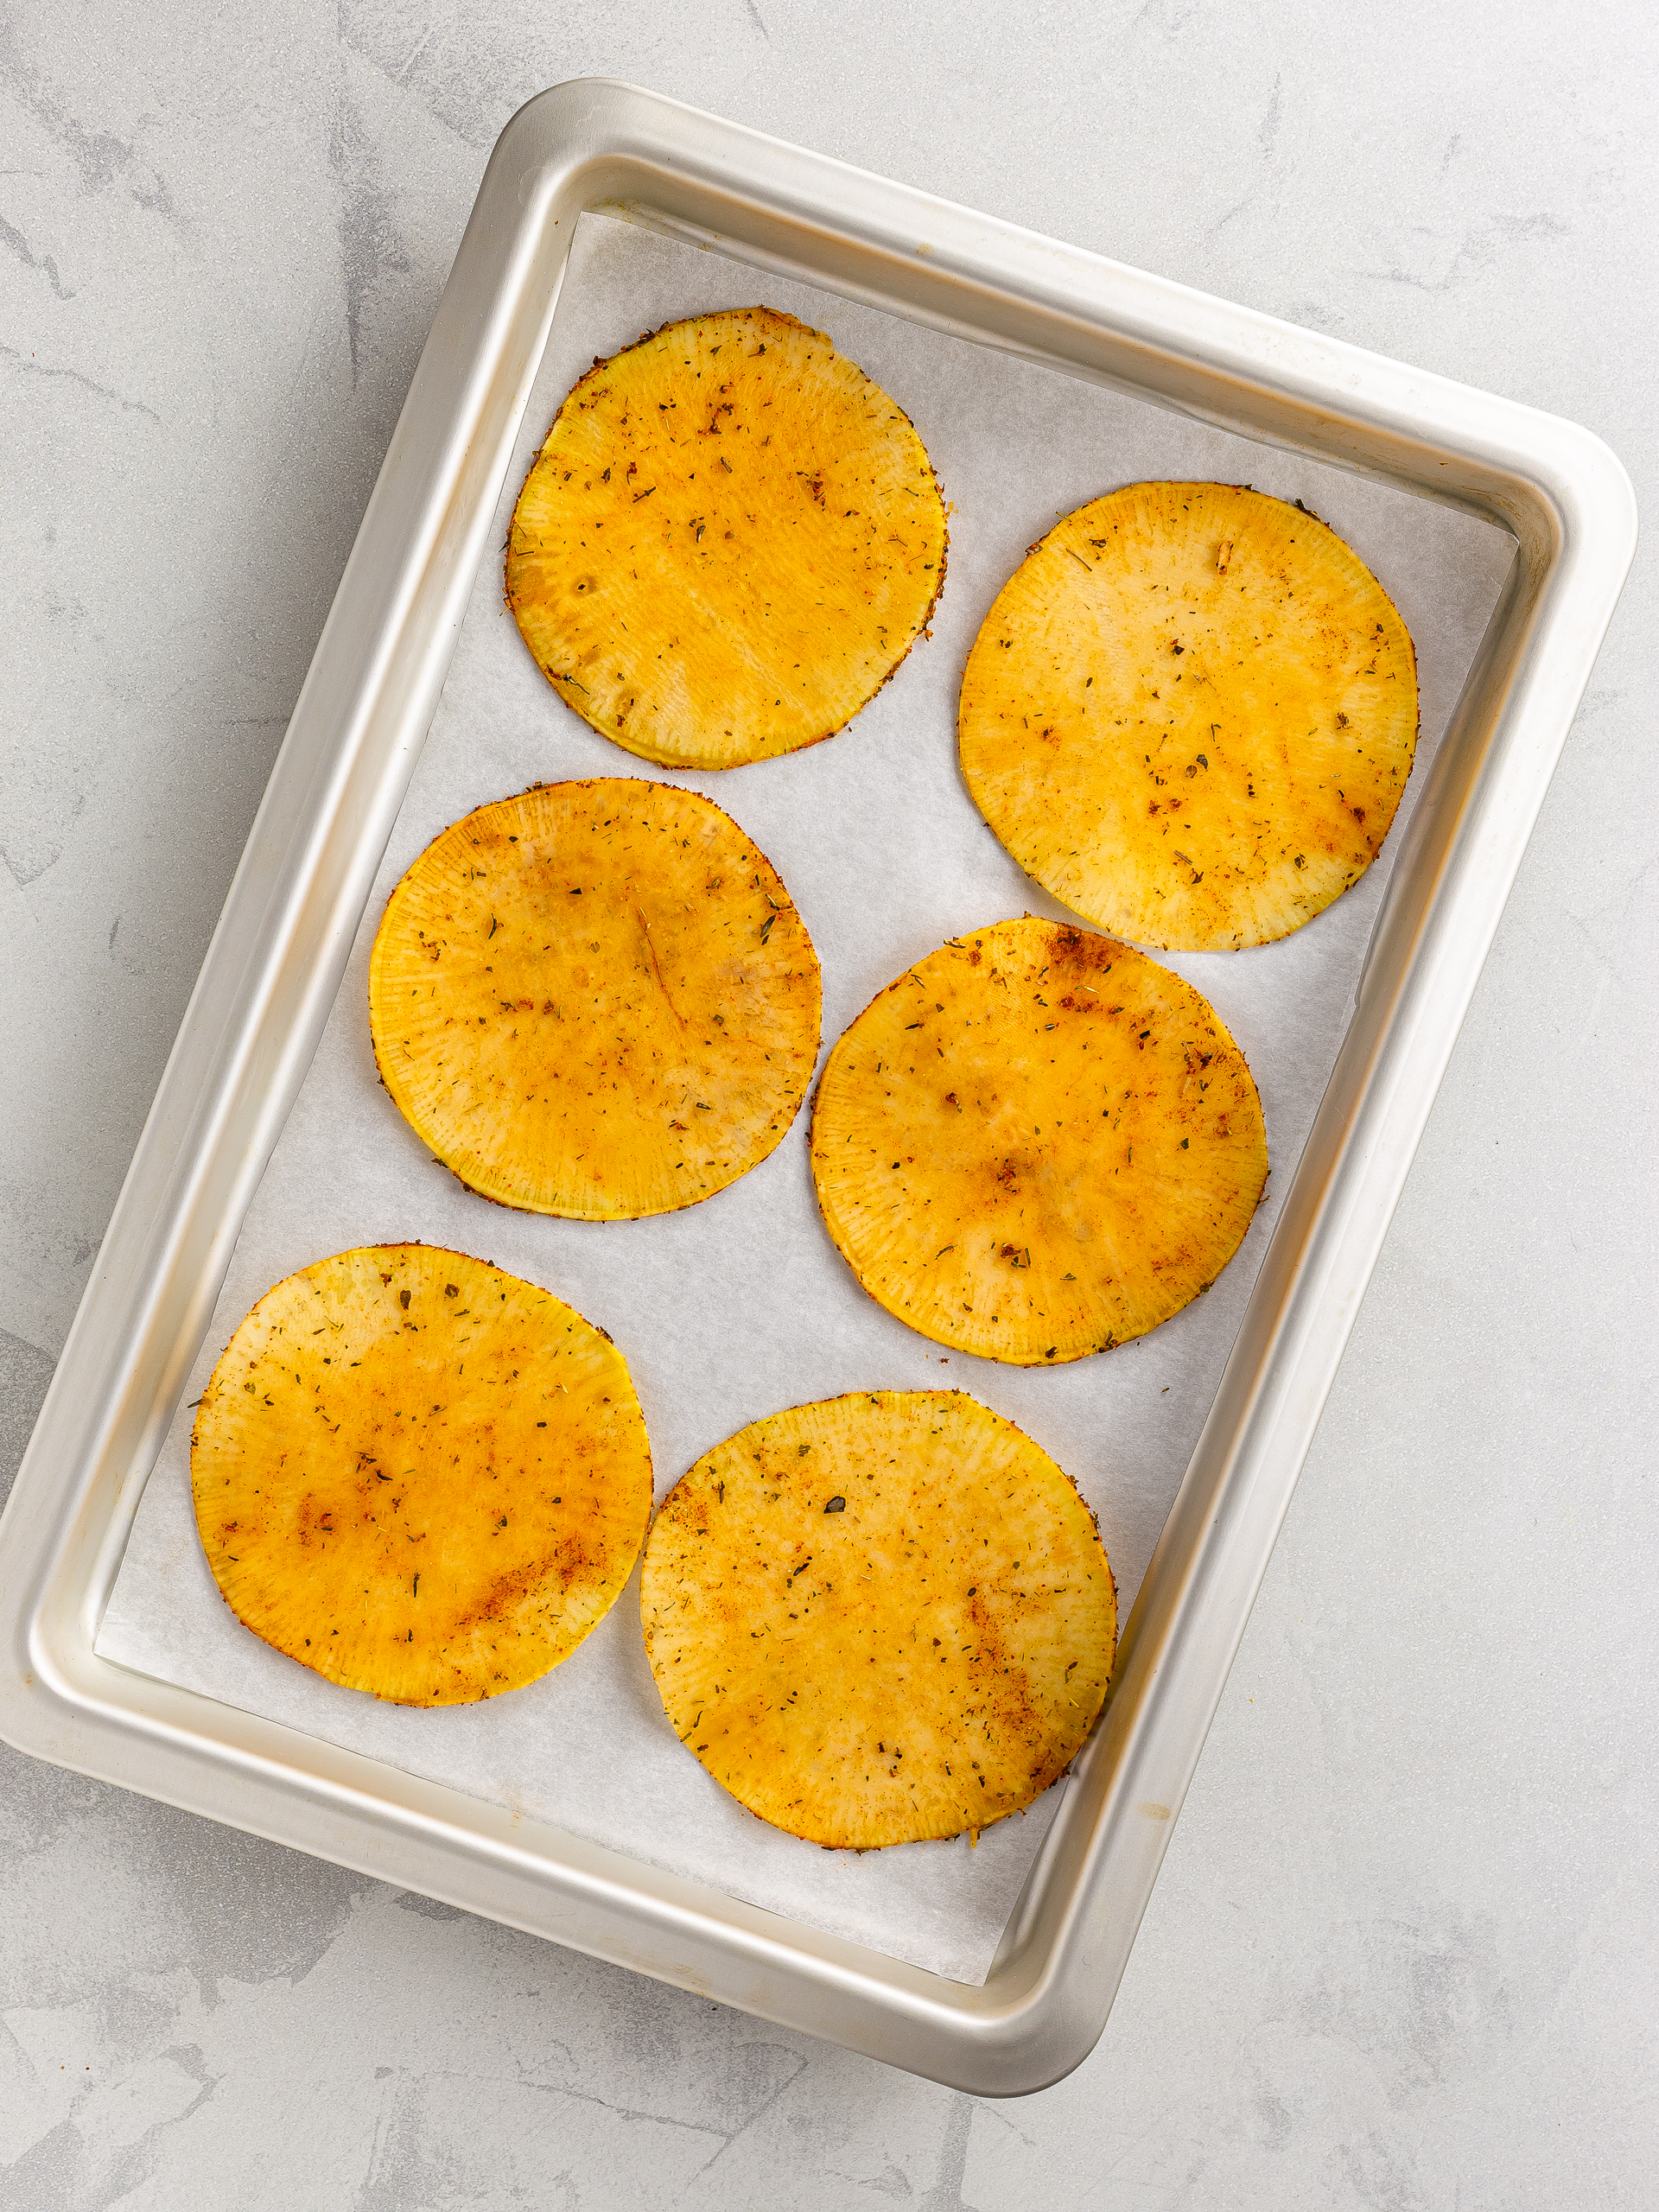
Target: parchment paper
<point>742,1306</point>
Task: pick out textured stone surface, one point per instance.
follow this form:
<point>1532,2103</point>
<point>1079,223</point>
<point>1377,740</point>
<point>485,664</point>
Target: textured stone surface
<point>1403,1951</point>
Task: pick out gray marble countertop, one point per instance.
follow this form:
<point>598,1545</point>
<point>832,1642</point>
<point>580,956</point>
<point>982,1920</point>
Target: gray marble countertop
<point>1403,1951</point>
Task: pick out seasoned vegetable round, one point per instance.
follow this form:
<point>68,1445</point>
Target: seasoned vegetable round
<point>596,1000</point>
<point>1190,715</point>
<point>882,1618</point>
<point>1037,1143</point>
<point>420,1476</point>
<point>728,543</point>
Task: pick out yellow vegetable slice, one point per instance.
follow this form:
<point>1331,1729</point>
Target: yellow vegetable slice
<point>880,1618</point>
<point>728,543</point>
<point>596,1000</point>
<point>1037,1143</point>
<point>420,1476</point>
<point>1190,715</point>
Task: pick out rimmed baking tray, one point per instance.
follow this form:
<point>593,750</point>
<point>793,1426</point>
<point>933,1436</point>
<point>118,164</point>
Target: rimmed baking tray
<point>276,961</point>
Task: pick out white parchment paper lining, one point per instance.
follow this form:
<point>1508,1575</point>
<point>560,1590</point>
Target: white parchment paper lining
<point>742,1306</point>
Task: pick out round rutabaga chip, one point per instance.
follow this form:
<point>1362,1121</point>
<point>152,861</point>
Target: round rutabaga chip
<point>728,543</point>
<point>597,999</point>
<point>1037,1143</point>
<point>422,1477</point>
<point>1190,715</point>
<point>880,1619</point>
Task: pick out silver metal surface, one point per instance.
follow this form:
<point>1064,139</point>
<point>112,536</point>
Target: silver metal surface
<point>276,960</point>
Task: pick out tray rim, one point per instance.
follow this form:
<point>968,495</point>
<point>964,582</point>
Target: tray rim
<point>273,968</point>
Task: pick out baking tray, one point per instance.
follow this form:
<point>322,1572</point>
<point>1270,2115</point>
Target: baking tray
<point>275,964</point>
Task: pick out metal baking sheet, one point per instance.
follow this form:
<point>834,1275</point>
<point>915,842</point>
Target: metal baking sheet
<point>335,804</point>
<point>742,1306</point>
